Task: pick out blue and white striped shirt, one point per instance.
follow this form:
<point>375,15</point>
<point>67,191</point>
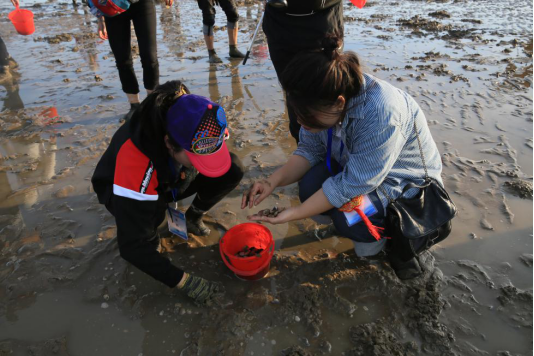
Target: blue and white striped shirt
<point>380,145</point>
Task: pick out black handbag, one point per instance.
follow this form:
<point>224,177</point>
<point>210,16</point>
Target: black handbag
<point>416,224</point>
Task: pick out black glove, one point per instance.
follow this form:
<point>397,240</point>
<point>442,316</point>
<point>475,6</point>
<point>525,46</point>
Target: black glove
<point>201,290</point>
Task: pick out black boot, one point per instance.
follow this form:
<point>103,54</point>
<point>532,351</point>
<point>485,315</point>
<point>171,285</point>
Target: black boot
<point>194,223</point>
<point>214,58</point>
<point>405,270</point>
<point>128,116</point>
<point>235,53</point>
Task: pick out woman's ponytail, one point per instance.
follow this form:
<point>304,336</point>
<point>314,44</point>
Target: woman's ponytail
<point>331,47</point>
<point>314,80</point>
<point>153,114</point>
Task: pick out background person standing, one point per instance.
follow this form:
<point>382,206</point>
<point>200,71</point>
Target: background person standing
<point>297,28</point>
<point>117,30</point>
<point>208,20</point>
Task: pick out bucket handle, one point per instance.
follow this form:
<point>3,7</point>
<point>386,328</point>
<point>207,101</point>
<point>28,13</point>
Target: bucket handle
<point>270,250</point>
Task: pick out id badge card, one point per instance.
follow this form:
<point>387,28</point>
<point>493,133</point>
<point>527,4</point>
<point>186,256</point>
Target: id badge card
<point>367,207</point>
<point>176,221</point>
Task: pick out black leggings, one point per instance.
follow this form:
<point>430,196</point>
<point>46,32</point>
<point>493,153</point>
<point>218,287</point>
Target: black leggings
<point>289,35</point>
<point>143,15</point>
<point>210,191</point>
<point>3,54</point>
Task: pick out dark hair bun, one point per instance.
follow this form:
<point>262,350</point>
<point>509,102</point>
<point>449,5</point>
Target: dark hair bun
<point>331,46</point>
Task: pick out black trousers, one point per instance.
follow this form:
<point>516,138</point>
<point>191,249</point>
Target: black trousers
<point>4,55</point>
<point>143,16</point>
<point>288,35</point>
<point>208,11</point>
<point>210,191</point>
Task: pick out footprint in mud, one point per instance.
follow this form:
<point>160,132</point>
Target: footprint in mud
<point>368,306</point>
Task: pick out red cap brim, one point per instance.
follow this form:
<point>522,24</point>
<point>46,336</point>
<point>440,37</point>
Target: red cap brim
<point>213,165</point>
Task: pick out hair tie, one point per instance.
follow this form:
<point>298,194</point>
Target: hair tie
<point>331,51</point>
<point>179,93</point>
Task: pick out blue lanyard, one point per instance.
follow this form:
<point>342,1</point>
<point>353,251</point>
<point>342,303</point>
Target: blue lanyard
<point>173,173</point>
<point>329,152</point>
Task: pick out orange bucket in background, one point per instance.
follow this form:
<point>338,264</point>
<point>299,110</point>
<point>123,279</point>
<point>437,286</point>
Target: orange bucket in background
<point>23,21</point>
<point>251,235</point>
<point>49,113</point>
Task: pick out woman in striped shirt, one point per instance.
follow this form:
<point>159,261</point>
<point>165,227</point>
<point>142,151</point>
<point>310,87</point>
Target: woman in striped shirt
<point>357,140</point>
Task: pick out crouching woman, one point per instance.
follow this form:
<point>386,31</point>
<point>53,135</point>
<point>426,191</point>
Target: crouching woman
<point>357,141</point>
<point>172,148</point>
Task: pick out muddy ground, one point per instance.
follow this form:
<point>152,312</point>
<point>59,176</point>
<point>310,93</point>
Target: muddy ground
<point>64,289</point>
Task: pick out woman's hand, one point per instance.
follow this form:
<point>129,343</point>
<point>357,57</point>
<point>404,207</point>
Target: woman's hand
<point>284,216</point>
<point>257,193</point>
<point>102,32</point>
<point>15,3</point>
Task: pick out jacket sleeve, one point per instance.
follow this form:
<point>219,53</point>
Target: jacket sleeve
<point>138,240</point>
<point>377,143</point>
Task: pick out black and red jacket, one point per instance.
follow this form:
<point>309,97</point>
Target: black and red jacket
<point>134,184</point>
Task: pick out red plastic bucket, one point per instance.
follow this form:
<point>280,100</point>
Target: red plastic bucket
<point>23,21</point>
<point>251,235</point>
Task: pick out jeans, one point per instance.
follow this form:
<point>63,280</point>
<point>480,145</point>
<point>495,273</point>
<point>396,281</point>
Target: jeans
<point>364,243</point>
<point>143,16</point>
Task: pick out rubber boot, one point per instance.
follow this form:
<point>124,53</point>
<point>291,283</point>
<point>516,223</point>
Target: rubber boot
<point>235,53</point>
<point>213,57</point>
<point>194,223</point>
<point>405,270</point>
<point>128,116</point>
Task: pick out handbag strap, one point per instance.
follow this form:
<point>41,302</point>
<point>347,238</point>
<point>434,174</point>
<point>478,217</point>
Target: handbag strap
<point>412,185</point>
<point>420,149</point>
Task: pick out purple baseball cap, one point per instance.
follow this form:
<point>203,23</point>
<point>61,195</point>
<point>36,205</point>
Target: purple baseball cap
<point>198,125</point>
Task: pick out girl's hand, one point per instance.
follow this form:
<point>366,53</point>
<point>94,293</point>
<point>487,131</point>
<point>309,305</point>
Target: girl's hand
<point>169,2</point>
<point>102,32</point>
<point>257,193</point>
<point>15,2</point>
<point>285,215</point>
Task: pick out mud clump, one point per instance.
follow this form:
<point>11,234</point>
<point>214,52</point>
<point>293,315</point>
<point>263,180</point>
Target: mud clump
<point>64,37</point>
<point>440,14</point>
<point>305,300</point>
<point>510,294</point>
<point>520,187</point>
<point>419,23</point>
<point>376,340</point>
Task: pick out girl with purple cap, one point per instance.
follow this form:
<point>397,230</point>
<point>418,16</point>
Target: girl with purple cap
<point>172,148</point>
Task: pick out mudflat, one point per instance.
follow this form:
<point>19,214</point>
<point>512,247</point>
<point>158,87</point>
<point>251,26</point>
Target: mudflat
<point>64,289</point>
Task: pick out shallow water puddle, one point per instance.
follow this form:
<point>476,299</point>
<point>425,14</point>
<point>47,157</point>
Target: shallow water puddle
<point>88,328</point>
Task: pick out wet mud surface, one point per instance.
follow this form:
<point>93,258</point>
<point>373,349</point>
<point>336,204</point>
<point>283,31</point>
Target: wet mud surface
<point>64,290</point>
